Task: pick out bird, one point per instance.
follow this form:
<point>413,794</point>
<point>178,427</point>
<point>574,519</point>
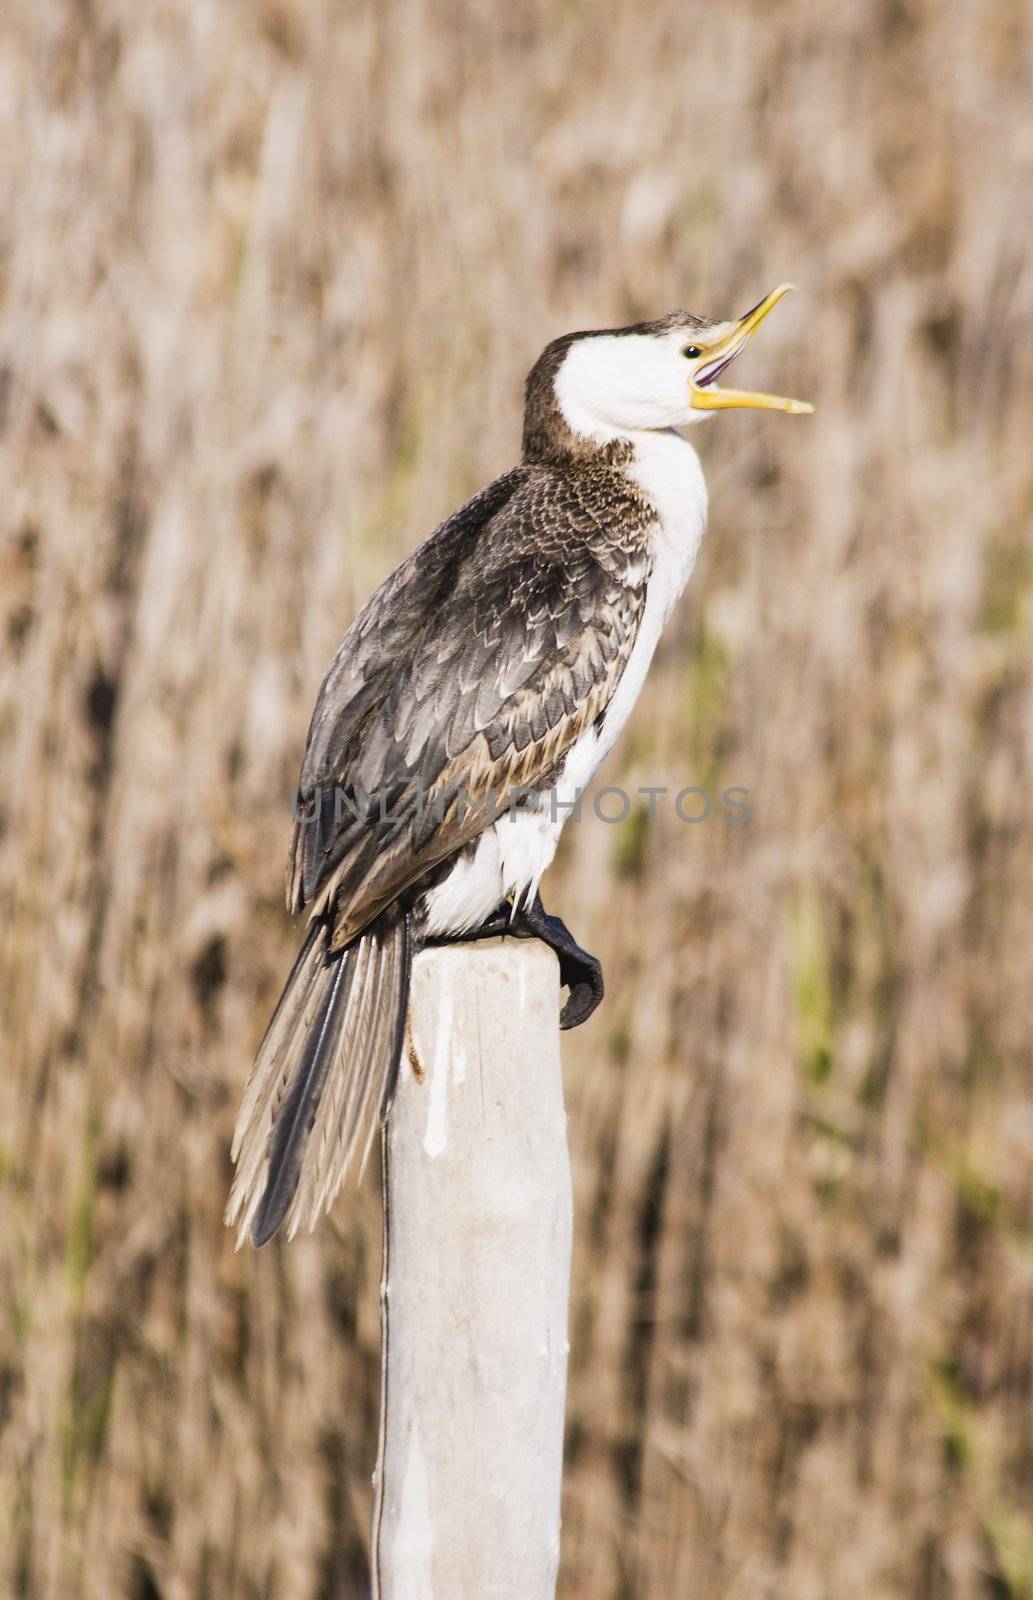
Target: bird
<point>471,700</point>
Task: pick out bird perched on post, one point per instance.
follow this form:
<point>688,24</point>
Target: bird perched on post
<point>470,703</point>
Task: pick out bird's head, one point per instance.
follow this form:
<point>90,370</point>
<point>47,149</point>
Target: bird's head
<point>606,385</point>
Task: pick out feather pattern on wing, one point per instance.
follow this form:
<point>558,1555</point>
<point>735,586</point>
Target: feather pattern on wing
<point>470,673</point>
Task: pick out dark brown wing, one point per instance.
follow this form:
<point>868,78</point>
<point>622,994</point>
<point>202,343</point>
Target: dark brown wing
<point>469,673</point>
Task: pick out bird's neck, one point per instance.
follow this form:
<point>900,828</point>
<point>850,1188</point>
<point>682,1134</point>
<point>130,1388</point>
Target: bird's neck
<point>659,473</point>
<point>659,468</point>
<point>557,435</point>
<point>657,462</point>
<point>560,434</point>
<point>553,443</point>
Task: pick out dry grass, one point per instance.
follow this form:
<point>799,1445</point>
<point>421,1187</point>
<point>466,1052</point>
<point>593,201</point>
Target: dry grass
<point>270,276</point>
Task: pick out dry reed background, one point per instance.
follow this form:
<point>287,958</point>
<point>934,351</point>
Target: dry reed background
<point>270,277</point>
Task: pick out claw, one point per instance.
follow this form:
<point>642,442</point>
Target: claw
<point>582,1001</point>
<point>580,971</point>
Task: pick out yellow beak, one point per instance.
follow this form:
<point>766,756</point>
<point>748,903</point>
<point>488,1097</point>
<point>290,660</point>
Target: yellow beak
<point>706,396</point>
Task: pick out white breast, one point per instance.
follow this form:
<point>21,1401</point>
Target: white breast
<point>511,857</point>
<point>667,468</point>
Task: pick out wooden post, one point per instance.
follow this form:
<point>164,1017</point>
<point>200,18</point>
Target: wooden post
<point>477,1233</point>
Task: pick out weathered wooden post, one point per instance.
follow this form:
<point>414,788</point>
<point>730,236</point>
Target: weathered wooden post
<point>477,1236</point>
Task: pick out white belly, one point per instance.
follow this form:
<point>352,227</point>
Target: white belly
<point>512,855</point>
<point>471,892</point>
<point>508,861</point>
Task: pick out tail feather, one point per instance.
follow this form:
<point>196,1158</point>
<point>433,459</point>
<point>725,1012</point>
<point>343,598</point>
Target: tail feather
<point>333,1107</point>
<point>346,1123</point>
<point>325,1069</point>
<point>294,1120</point>
<point>270,1079</point>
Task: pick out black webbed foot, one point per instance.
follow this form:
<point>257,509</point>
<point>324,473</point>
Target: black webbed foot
<point>580,971</point>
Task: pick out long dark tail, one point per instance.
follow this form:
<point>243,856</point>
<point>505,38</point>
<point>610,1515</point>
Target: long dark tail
<point>324,1076</point>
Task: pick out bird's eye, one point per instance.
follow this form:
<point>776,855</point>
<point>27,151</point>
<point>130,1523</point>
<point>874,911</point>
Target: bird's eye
<point>692,351</point>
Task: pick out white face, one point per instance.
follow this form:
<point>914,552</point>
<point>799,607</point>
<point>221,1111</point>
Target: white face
<point>614,384</point>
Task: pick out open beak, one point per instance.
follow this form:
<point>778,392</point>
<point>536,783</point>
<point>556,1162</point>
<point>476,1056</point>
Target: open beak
<point>706,396</point>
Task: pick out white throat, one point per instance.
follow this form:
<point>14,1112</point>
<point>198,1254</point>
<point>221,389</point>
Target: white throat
<point>579,412</point>
<point>665,467</point>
